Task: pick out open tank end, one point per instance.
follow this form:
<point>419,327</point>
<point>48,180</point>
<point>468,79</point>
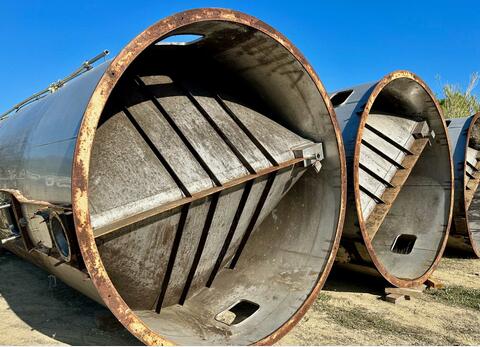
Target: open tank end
<point>465,136</point>
<point>208,161</point>
<point>402,175</point>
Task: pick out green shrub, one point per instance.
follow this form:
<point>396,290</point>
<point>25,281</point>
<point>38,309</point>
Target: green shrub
<point>459,103</point>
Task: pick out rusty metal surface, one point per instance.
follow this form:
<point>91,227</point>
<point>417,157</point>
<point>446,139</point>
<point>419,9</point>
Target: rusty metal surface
<point>23,200</point>
<point>460,130</point>
<point>26,138</point>
<point>352,116</point>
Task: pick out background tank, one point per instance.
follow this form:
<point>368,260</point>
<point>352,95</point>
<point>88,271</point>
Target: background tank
<point>400,178</point>
<point>464,134</point>
<point>179,184</point>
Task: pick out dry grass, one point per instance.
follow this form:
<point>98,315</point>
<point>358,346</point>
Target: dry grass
<point>349,311</point>
<point>458,296</point>
<point>361,319</point>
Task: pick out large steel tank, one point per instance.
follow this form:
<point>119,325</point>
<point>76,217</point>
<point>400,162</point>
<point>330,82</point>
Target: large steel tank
<point>195,187</point>
<point>400,178</point>
<point>464,134</point>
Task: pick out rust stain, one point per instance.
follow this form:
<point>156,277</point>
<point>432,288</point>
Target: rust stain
<point>24,200</point>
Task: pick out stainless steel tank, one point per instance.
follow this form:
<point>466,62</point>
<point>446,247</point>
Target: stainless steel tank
<point>400,178</point>
<point>464,134</point>
<point>180,183</point>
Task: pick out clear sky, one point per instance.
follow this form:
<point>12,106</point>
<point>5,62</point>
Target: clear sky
<point>347,42</point>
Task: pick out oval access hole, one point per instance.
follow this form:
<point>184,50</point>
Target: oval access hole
<point>182,40</point>
<point>403,244</point>
<point>341,97</point>
<point>60,237</point>
<point>237,313</point>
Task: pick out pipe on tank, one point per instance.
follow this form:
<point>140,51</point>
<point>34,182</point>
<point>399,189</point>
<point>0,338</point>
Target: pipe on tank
<point>400,178</point>
<point>179,183</point>
<point>464,135</point>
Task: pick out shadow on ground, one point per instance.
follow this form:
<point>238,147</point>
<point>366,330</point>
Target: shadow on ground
<point>452,253</point>
<point>346,280</point>
<point>56,310</point>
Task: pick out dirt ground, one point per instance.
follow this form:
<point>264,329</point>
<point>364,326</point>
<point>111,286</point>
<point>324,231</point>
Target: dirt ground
<point>350,312</point>
<point>34,310</point>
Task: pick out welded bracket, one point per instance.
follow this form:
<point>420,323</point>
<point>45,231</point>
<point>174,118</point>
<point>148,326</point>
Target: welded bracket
<point>312,154</point>
<point>422,130</point>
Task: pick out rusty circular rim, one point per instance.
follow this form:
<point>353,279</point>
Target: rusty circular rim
<point>396,281</point>
<point>82,154</point>
<point>473,243</point>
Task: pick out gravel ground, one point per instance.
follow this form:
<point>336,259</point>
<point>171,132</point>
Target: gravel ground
<point>36,310</point>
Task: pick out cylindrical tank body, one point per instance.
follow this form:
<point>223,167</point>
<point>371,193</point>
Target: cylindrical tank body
<point>464,136</point>
<point>179,184</point>
<point>400,178</point>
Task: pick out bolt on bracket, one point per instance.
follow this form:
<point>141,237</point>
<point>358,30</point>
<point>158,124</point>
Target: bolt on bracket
<point>312,153</point>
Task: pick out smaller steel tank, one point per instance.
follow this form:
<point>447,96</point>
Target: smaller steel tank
<point>464,135</point>
<point>400,178</point>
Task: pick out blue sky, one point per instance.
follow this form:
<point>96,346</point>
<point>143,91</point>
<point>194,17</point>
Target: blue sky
<point>347,42</point>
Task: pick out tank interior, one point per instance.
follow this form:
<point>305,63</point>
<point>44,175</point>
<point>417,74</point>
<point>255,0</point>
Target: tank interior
<point>215,185</point>
<point>472,180</point>
<point>403,176</point>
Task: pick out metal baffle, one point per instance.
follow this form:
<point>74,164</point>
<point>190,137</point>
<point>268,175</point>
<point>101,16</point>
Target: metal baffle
<point>180,183</point>
<point>400,192</point>
<point>464,135</point>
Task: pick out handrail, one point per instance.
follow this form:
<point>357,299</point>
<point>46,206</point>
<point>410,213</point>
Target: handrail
<point>53,87</point>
